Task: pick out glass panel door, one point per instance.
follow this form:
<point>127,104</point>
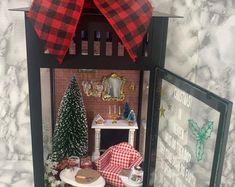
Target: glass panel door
<point>191,134</point>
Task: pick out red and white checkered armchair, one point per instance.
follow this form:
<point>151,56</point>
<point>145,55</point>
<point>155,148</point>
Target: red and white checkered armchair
<point>116,158</point>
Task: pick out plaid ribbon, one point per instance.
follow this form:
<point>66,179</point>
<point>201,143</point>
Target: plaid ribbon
<point>55,22</point>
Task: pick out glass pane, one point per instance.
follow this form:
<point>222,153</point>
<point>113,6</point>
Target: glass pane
<point>144,109</point>
<point>186,140</point>
<point>46,111</point>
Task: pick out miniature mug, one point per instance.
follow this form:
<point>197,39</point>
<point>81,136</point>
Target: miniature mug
<point>136,174</point>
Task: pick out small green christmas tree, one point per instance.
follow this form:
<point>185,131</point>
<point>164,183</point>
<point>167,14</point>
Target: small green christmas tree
<point>71,132</point>
<point>126,111</point>
<point>131,116</point>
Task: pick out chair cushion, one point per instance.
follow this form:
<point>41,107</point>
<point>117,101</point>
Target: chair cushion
<point>112,169</point>
<point>111,175</point>
<point>120,158</point>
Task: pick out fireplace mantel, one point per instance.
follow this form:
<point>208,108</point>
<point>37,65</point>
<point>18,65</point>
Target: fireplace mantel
<point>110,124</point>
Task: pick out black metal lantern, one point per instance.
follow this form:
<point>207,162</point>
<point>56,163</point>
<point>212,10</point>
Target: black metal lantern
<point>151,57</point>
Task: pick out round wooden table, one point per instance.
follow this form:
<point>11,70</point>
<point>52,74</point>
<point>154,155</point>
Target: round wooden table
<point>68,176</point>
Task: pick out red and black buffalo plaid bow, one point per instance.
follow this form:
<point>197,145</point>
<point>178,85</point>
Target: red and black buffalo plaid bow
<point>55,22</point>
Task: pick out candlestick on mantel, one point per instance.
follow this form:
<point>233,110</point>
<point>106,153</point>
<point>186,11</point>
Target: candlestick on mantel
<point>114,109</point>
<point>109,110</point>
<point>119,110</point>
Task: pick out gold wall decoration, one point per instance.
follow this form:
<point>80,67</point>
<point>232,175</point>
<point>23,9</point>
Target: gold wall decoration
<point>92,88</point>
<point>132,86</point>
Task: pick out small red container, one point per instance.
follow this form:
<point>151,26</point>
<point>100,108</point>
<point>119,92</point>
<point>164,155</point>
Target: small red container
<point>85,163</point>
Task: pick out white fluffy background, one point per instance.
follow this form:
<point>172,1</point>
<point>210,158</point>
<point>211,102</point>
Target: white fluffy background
<point>203,42</point>
<point>15,138</point>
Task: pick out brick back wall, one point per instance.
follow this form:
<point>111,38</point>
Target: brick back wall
<point>95,105</point>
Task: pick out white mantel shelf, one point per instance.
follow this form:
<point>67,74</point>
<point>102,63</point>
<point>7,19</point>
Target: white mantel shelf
<point>108,124</point>
<point>121,124</point>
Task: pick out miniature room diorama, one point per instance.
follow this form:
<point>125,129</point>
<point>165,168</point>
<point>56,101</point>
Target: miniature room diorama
<point>108,105</point>
<point>105,111</point>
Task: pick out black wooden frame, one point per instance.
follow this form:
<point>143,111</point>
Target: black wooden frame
<point>154,63</point>
<point>36,59</point>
